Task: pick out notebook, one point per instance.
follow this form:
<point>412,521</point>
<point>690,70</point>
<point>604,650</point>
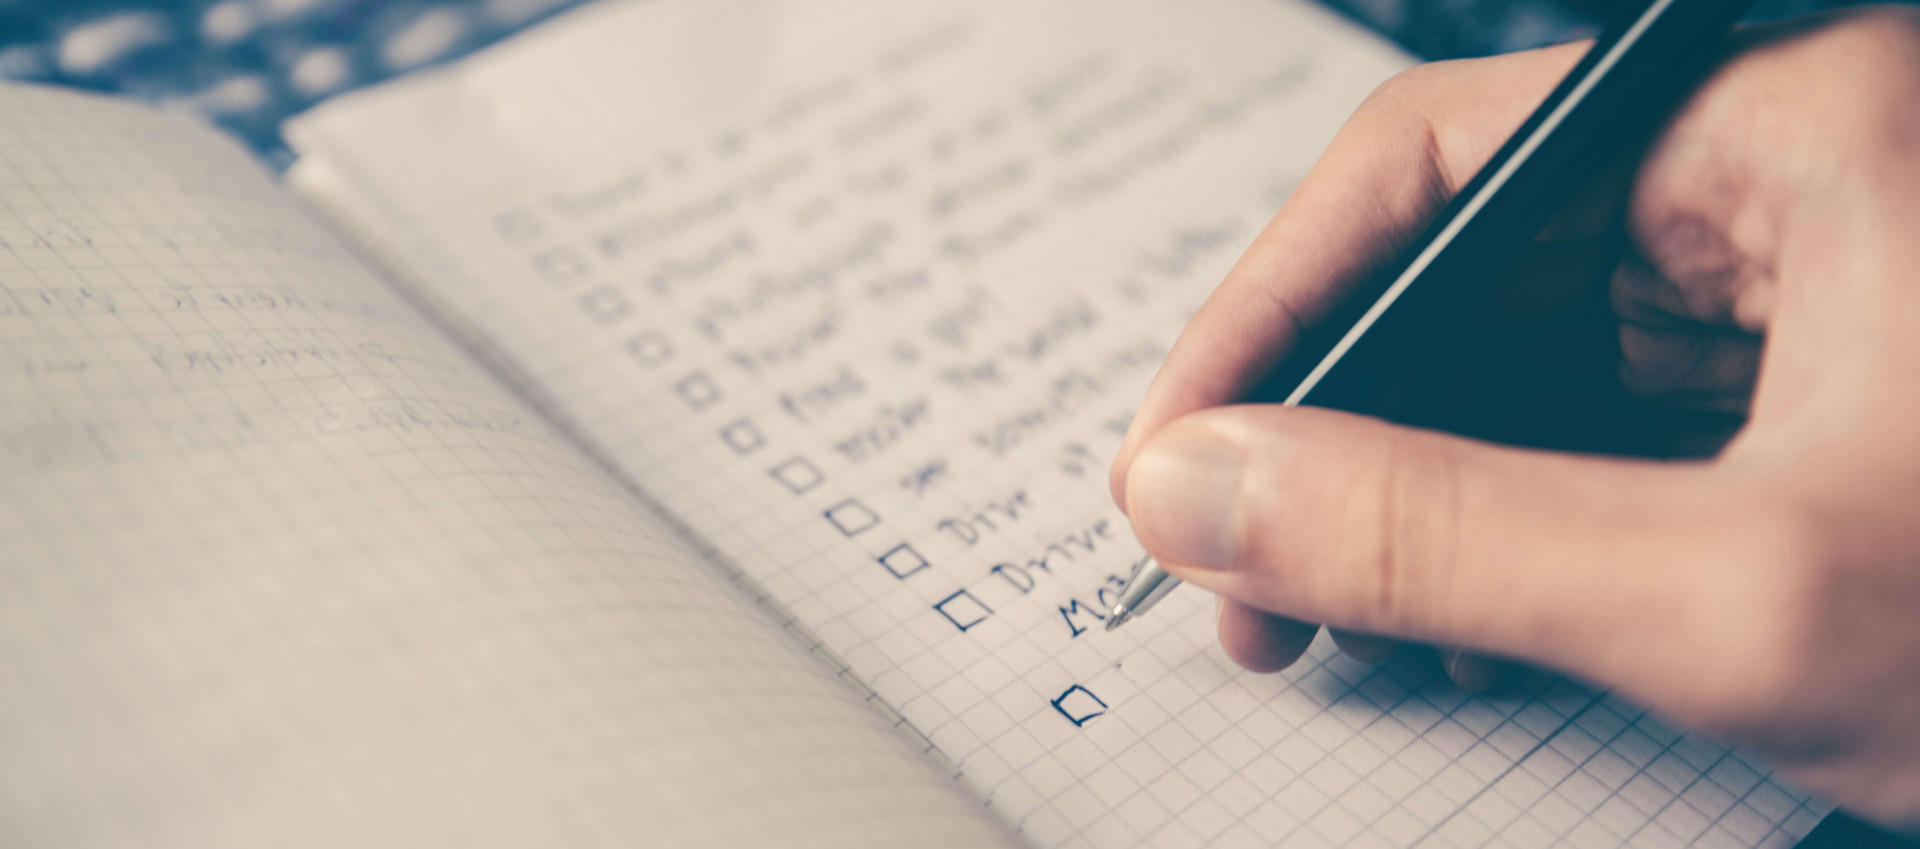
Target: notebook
<point>685,424</point>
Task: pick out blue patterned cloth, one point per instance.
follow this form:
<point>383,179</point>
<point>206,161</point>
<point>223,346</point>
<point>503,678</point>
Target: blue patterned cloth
<point>245,64</point>
<point>248,64</point>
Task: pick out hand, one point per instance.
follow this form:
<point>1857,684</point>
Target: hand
<point>1758,273</point>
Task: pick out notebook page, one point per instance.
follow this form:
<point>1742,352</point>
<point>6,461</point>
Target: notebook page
<point>279,566</point>
<point>865,292</point>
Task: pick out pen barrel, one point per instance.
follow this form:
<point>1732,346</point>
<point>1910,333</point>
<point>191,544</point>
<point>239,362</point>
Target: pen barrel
<point>1607,108</point>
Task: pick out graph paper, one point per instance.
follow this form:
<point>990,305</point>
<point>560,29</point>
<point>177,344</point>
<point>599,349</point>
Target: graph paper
<point>282,566</point>
<point>864,299</point>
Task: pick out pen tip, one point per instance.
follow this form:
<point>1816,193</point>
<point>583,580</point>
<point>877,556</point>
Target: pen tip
<point>1118,616</point>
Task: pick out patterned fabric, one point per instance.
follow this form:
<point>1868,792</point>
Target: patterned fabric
<point>248,64</point>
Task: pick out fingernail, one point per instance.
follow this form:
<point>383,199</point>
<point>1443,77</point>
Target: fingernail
<point>1182,490</point>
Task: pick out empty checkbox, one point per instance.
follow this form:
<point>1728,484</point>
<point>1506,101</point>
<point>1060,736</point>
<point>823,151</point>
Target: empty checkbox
<point>605,304</point>
<point>697,390</point>
<point>798,474</point>
<point>649,349</point>
<point>520,226</point>
<point>742,436</point>
<point>963,610</point>
<point>903,561</point>
<point>1078,704</point>
<point>560,266</point>
<point>851,517</point>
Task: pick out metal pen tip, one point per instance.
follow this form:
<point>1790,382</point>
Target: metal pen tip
<point>1119,615</point>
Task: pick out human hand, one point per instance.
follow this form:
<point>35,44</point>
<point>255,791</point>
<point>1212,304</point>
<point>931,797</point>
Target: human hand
<point>1763,265</point>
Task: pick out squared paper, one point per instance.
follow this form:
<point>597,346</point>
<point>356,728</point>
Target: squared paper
<point>935,253</point>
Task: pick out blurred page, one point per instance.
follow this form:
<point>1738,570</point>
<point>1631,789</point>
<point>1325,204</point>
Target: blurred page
<point>281,566</point>
<point>865,292</point>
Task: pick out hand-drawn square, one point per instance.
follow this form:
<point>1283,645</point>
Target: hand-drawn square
<point>560,265</point>
<point>519,225</point>
<point>605,304</point>
<point>649,349</point>
<point>1079,710</point>
<point>730,142</point>
<point>697,390</point>
<point>902,561</point>
<point>851,517</point>
<point>742,436</point>
<point>799,474</point>
<point>965,607</point>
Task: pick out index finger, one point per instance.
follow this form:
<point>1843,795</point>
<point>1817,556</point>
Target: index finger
<point>1398,159</point>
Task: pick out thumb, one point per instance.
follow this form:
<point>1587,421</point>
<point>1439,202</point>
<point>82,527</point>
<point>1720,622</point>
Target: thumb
<point>1576,562</point>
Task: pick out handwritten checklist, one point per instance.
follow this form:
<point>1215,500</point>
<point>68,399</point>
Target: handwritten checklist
<point>873,322</point>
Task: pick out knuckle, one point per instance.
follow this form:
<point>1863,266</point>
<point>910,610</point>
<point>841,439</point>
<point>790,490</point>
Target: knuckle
<point>1396,532</point>
<point>1399,107</point>
<point>1404,91</point>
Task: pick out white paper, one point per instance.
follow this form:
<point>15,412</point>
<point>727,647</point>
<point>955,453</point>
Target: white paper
<point>281,566</point>
<point>864,293</point>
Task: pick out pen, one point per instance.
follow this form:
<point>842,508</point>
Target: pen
<point>1626,85</point>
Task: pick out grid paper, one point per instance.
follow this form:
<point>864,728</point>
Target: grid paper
<point>870,322</point>
<point>281,566</point>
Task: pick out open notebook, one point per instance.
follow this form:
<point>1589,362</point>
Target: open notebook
<point>685,424</point>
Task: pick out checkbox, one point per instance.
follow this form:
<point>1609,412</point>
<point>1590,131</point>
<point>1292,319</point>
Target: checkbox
<point>742,436</point>
<point>649,349</point>
<point>520,225</point>
<point>903,561</point>
<point>605,304</point>
<point>798,474</point>
<point>851,517</point>
<point>963,610</point>
<point>1078,704</point>
<point>697,390</point>
<point>560,266</point>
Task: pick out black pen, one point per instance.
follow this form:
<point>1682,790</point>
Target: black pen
<point>1624,87</point>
